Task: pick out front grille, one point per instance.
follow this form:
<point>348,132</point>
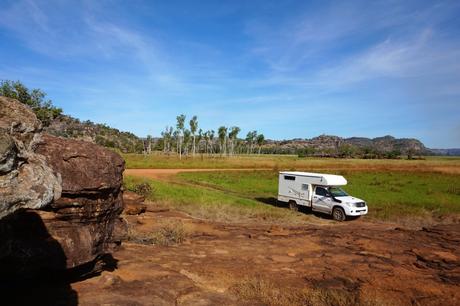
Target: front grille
<point>360,204</point>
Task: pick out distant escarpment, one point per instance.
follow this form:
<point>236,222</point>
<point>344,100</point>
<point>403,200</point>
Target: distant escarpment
<point>60,199</point>
<point>334,146</point>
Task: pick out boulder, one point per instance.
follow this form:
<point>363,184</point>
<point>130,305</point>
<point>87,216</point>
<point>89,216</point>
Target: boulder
<point>60,199</point>
<point>88,210</point>
<point>134,203</point>
<point>26,181</point>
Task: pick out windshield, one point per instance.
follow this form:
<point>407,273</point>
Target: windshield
<point>337,192</point>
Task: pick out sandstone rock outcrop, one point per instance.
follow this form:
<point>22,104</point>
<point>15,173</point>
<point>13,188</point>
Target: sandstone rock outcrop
<point>26,181</point>
<point>60,199</point>
<point>91,200</point>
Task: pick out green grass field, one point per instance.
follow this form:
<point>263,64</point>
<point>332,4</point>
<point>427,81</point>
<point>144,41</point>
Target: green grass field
<point>394,189</point>
<point>289,162</point>
<point>210,203</point>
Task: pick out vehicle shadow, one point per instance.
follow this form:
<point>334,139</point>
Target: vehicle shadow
<point>303,209</point>
<point>32,263</point>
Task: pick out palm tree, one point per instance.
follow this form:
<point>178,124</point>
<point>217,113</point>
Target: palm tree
<point>260,141</point>
<point>193,128</point>
<point>180,127</point>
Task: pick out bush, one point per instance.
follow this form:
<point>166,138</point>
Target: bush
<point>172,233</point>
<point>144,189</point>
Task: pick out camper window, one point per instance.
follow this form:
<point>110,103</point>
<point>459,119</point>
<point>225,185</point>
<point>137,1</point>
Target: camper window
<point>289,177</point>
<point>321,191</point>
<point>305,187</point>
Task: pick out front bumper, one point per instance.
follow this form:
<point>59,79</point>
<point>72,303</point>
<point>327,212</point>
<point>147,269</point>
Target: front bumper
<point>356,211</point>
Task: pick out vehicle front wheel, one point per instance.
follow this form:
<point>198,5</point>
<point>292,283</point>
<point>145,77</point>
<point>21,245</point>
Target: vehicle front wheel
<point>293,206</point>
<point>338,214</point>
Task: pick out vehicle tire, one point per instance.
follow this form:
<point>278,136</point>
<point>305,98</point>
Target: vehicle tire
<point>293,206</point>
<point>338,214</point>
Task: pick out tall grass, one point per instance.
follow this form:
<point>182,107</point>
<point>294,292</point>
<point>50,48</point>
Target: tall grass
<point>289,162</point>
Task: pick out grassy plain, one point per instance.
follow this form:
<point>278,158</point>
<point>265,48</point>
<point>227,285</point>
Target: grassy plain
<point>290,162</point>
<point>394,189</point>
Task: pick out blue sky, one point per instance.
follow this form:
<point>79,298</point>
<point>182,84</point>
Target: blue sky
<point>285,68</point>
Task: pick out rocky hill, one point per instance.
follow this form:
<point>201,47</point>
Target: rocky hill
<point>335,146</point>
<point>101,134</point>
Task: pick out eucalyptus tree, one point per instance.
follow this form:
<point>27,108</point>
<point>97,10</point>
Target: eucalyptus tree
<point>250,138</point>
<point>164,137</point>
<point>222,133</point>
<point>211,140</point>
<point>176,136</point>
<point>187,138</point>
<point>260,141</point>
<point>149,144</point>
<point>193,127</point>
<point>199,138</point>
<point>169,134</point>
<point>180,128</point>
<point>233,135</point>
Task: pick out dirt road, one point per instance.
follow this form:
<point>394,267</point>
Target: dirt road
<point>251,264</point>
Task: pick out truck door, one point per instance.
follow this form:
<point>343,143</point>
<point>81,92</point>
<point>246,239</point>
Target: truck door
<point>304,194</point>
<point>321,200</point>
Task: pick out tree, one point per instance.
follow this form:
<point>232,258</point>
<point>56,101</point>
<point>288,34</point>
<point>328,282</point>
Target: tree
<point>180,128</point>
<point>193,128</point>
<point>187,138</point>
<point>35,98</point>
<point>211,139</point>
<point>222,132</point>
<point>199,138</point>
<point>250,138</point>
<point>176,137</point>
<point>149,144</point>
<point>260,141</point>
<point>233,135</point>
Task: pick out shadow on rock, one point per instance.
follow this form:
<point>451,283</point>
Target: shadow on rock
<point>32,263</point>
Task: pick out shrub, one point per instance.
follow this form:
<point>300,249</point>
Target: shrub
<point>144,189</point>
<point>172,233</point>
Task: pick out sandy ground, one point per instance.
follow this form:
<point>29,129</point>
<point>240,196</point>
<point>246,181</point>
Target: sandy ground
<point>377,262</point>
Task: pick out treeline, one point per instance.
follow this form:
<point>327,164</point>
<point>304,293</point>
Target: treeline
<point>35,98</point>
<point>188,139</point>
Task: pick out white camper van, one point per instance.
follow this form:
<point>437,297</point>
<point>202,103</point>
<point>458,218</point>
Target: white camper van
<point>321,192</point>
